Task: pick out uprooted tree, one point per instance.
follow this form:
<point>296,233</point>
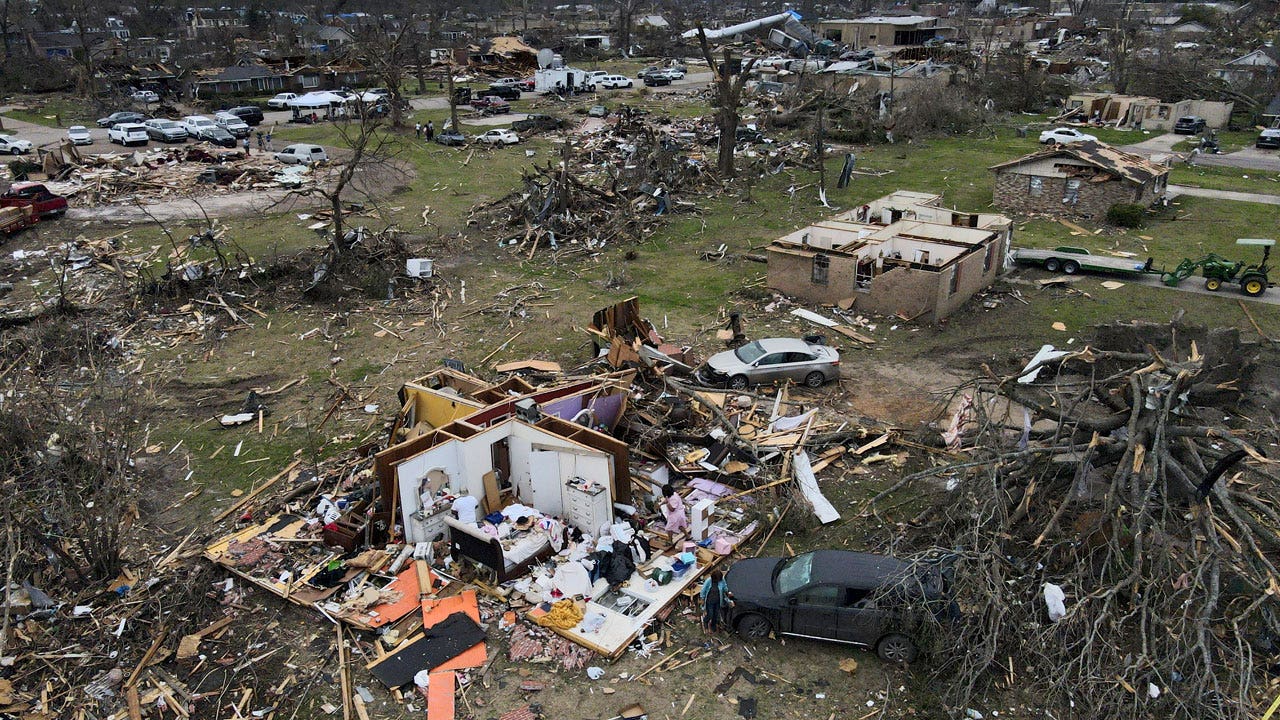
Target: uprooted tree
<point>728,100</point>
<point>1126,478</point>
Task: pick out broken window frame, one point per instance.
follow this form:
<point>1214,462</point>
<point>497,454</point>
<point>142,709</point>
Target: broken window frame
<point>1071,191</point>
<point>954,283</point>
<point>820,273</point>
<point>1035,186</point>
<point>990,259</point>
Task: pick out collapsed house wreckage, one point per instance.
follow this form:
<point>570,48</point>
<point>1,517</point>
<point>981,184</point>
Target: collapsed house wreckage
<point>521,505</point>
<point>166,172</point>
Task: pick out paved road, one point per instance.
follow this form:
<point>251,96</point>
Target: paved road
<point>1175,190</point>
<point>1160,147</point>
<point>1195,286</point>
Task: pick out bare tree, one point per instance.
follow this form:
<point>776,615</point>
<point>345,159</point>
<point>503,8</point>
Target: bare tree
<point>626,18</point>
<point>84,17</point>
<point>728,100</point>
<point>388,54</point>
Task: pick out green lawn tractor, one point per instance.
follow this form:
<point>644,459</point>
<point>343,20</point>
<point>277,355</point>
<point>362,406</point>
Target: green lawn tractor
<point>1217,270</point>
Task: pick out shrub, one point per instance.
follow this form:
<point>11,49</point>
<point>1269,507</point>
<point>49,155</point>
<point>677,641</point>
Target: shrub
<point>1126,215</point>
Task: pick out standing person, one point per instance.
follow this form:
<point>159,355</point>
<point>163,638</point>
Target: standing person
<point>417,130</point>
<point>246,145</point>
<point>431,130</point>
<point>673,510</point>
<point>269,148</point>
<point>262,146</point>
<point>465,508</point>
<point>715,602</point>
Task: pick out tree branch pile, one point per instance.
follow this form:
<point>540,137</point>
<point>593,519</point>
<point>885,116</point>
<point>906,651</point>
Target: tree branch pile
<point>1128,479</point>
<point>610,188</point>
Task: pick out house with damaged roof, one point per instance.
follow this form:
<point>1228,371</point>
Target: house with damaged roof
<point>1079,179</point>
<point>903,254</point>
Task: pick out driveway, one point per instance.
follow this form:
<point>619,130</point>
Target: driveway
<point>1249,158</point>
<point>1175,190</point>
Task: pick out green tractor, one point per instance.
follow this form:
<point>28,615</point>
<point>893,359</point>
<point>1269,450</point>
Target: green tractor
<point>1218,270</point>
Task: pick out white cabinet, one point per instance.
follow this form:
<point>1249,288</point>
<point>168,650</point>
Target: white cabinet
<point>587,505</point>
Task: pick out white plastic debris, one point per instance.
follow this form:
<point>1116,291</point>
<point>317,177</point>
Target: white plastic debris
<point>1055,599</point>
<point>595,672</point>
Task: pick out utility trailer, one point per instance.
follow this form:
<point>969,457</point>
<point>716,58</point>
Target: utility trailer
<point>1071,260</point>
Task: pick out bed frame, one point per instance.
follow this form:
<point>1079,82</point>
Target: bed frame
<point>471,542</point>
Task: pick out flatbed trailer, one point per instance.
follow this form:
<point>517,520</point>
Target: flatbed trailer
<point>1071,260</point>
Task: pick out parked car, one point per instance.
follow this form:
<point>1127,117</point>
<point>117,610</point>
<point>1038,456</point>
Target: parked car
<point>538,122</point>
<point>1268,139</point>
<point>281,101</point>
<point>251,114</point>
<point>1189,125</point>
<point>44,203</point>
<point>196,125</point>
<point>614,82</point>
<point>1065,135</point>
<point>79,135</point>
<point>165,130</point>
<point>217,135</point>
<point>452,138</point>
<point>872,601</point>
<point>499,136</point>
<point>121,117</point>
<point>673,72</point>
<point>491,105</point>
<point>128,134</point>
<point>527,85</point>
<point>506,82</point>
<point>146,96</point>
<point>506,92</point>
<point>597,111</point>
<point>232,124</point>
<point>14,146</point>
<point>655,79</point>
<point>302,153</point>
<point>771,359</point>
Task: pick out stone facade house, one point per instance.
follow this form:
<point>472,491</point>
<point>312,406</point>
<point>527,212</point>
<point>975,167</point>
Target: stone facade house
<point>1080,179</point>
<point>904,254</point>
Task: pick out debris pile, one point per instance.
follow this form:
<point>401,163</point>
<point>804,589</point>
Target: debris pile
<point>1112,522</point>
<point>180,171</point>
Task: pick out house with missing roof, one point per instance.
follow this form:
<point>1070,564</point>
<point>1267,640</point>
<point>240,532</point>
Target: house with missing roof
<point>1080,179</point>
<point>903,254</point>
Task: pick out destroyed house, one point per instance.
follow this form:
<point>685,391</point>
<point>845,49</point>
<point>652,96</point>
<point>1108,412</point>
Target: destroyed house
<point>1081,179</point>
<point>900,255</point>
<point>503,444</point>
<point>889,31</point>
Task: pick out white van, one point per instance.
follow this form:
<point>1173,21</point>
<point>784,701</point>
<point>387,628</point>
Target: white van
<point>614,81</point>
<point>302,153</point>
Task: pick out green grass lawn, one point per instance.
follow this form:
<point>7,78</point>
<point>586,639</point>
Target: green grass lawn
<point>1226,178</point>
<point>1228,141</point>
<point>55,109</point>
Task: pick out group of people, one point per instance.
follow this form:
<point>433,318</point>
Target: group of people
<point>427,131</point>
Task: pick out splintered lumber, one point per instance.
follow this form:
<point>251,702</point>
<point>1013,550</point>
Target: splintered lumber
<point>260,489</point>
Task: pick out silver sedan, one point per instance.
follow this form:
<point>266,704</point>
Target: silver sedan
<point>771,360</point>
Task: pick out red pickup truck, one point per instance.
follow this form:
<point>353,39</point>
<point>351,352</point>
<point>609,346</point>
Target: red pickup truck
<point>44,203</point>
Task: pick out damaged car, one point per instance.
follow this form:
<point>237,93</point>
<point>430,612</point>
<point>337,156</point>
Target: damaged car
<point>872,601</point>
<point>771,360</point>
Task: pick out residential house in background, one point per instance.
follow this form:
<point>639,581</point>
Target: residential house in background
<point>1259,64</point>
<point>903,254</point>
<point>235,79</point>
<point>1080,179</point>
<point>202,21</point>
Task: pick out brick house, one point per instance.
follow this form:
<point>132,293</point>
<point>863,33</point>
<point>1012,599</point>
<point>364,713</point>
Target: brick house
<point>903,254</point>
<point>1080,179</point>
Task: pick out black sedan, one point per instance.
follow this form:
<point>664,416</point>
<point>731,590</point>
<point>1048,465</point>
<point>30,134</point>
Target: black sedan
<point>1189,125</point>
<point>218,136</point>
<point>121,117</point>
<point>849,597</point>
<point>657,79</point>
